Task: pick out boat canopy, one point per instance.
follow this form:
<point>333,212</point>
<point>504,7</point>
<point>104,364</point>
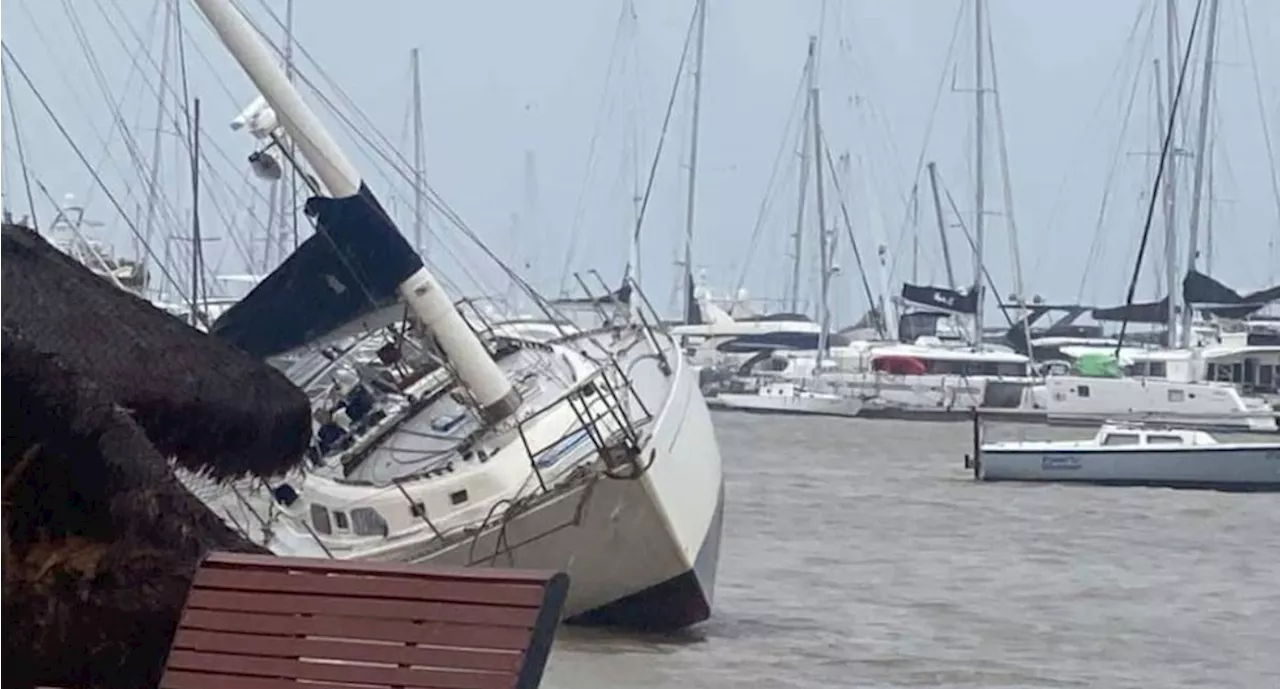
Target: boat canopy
<point>899,364</point>
<point>1098,366</point>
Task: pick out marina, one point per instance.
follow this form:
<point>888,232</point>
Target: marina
<point>461,354</point>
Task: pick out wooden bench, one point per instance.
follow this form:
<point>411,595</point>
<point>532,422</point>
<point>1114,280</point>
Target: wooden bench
<point>262,622</point>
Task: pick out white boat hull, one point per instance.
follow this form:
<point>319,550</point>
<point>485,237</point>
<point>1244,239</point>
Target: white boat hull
<point>815,404</point>
<point>1201,405</point>
<point>1236,466</point>
<point>640,553</point>
<point>641,547</point>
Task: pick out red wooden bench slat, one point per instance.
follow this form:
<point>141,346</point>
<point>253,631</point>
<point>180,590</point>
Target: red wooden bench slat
<point>248,562</point>
<point>261,622</point>
<point>352,584</point>
<point>337,606</point>
<point>181,679</point>
<point>441,633</point>
<point>224,664</point>
<point>341,649</point>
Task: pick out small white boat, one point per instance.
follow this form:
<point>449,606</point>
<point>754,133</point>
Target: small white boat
<point>1134,455</point>
<point>787,398</point>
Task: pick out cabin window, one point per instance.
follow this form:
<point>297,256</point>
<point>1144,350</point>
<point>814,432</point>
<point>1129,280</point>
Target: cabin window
<point>1266,376</point>
<point>458,497</point>
<point>1147,369</point>
<point>1010,369</point>
<point>1177,395</point>
<point>320,519</point>
<point>1120,439</point>
<point>367,522</point>
<point>1157,439</point>
<point>1082,390</point>
<point>340,521</point>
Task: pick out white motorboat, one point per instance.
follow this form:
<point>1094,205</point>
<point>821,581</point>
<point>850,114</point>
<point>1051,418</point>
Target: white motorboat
<point>588,453</point>
<point>1134,455</point>
<point>1219,387</point>
<point>72,233</point>
<point>788,398</point>
<point>1204,405</point>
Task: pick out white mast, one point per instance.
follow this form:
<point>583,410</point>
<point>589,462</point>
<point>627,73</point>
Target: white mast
<point>942,226</point>
<point>476,369</point>
<point>793,292</point>
<point>153,175</point>
<point>980,195</point>
<point>637,196</point>
<point>693,153</point>
<point>1197,184</point>
<point>288,202</point>
<point>419,207</point>
<point>823,258</point>
<point>1171,173</point>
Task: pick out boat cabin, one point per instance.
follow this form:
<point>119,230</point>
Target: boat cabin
<point>1254,369</point>
<point>1128,436</point>
<point>919,360</point>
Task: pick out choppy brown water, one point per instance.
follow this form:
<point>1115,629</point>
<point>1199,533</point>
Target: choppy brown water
<point>861,554</point>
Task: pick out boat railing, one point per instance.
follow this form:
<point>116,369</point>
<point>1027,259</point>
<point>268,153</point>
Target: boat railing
<point>600,413</point>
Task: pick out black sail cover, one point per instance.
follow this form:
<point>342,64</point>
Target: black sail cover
<point>1201,291</point>
<point>349,269</point>
<point>1153,312</point>
<point>941,298</point>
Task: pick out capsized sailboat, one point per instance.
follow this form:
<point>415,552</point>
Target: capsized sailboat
<point>588,453</point>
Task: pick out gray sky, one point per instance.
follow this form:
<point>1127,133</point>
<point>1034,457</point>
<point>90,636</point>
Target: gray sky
<point>502,79</point>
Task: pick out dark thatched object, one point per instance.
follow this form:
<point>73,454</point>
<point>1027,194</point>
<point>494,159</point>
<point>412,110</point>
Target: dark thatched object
<point>212,407</point>
<point>100,538</point>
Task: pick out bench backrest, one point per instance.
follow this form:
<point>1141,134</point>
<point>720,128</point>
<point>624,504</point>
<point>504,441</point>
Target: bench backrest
<point>263,622</point>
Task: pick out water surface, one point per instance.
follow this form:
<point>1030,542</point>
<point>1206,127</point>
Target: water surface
<point>861,554</point>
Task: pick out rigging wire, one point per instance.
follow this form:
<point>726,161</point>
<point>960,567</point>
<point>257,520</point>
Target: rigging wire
<point>973,245</point>
<point>1095,246</point>
<point>1266,130</point>
<point>22,158</point>
<point>933,116</point>
<point>1091,122</point>
<point>131,144</point>
<point>575,225</point>
<point>80,154</point>
<point>1160,168</point>
<point>114,104</point>
<point>666,124</point>
<point>104,141</point>
<point>384,150</point>
<point>766,201</point>
<point>212,192</point>
<point>848,226</point>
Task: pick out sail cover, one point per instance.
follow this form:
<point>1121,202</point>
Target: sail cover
<point>941,298</point>
<point>1098,366</point>
<point>1200,291</point>
<point>1153,312</point>
<point>348,270</point>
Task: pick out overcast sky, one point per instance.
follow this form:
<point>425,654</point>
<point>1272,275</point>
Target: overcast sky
<point>519,97</point>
